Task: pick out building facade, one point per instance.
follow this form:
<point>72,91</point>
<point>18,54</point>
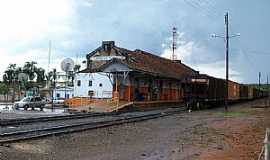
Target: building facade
<point>63,92</point>
<point>139,75</point>
<point>95,85</point>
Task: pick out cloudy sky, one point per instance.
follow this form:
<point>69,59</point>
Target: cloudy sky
<point>76,27</point>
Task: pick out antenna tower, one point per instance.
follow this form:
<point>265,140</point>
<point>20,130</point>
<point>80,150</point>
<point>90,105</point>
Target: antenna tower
<point>174,31</point>
<point>49,56</point>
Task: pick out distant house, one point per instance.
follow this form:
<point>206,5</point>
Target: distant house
<point>96,85</point>
<point>63,92</point>
<point>63,86</point>
<point>62,80</point>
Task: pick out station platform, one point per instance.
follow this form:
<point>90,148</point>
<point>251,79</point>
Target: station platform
<point>107,106</point>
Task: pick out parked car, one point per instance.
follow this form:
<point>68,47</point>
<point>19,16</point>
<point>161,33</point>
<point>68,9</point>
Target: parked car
<point>30,102</point>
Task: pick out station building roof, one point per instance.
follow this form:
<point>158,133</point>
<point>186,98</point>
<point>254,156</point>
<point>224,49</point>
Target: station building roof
<point>137,60</point>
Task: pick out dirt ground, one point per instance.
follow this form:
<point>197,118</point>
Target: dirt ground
<point>203,135</point>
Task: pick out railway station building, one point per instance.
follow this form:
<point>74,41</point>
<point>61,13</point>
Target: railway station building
<point>138,76</point>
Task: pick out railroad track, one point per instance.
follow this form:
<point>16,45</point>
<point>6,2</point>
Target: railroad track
<point>20,121</point>
<point>15,136</point>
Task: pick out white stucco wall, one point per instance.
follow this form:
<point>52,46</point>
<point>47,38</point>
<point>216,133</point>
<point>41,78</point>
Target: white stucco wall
<point>61,92</point>
<point>104,91</point>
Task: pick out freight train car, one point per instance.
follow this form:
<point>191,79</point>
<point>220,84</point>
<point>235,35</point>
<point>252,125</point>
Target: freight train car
<point>204,90</point>
<point>233,91</point>
<point>250,92</point>
<point>244,92</point>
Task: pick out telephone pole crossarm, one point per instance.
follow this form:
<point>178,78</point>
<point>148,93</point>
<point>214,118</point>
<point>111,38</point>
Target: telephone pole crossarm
<point>226,37</point>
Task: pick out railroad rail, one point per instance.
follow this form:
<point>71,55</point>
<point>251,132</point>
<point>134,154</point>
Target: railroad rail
<point>15,136</point>
<point>19,121</point>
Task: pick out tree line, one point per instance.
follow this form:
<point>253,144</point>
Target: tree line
<point>32,76</point>
<point>12,72</point>
<point>36,77</point>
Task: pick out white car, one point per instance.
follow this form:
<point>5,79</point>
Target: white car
<point>30,102</point>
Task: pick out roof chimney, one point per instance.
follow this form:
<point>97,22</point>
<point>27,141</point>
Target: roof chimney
<point>107,45</point>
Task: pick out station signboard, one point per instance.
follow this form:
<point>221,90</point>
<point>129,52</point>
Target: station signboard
<point>106,58</point>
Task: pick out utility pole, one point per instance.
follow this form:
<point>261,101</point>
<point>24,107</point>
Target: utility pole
<point>49,56</point>
<point>259,81</point>
<point>227,60</point>
<point>53,87</point>
<point>226,37</point>
<point>268,95</point>
<point>49,62</point>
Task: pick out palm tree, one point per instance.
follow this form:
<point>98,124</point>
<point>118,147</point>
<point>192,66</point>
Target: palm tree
<point>77,67</point>
<point>10,77</point>
<point>10,74</point>
<point>40,72</point>
<point>4,90</point>
<point>71,74</point>
<point>49,76</point>
<point>29,68</point>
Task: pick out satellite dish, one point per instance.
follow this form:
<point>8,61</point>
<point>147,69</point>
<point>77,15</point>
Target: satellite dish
<point>67,65</point>
<point>22,77</point>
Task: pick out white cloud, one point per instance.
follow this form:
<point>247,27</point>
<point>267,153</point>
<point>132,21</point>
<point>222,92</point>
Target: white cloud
<point>217,69</point>
<point>182,52</point>
<point>38,55</point>
<point>24,23</point>
<point>187,51</point>
<point>33,19</point>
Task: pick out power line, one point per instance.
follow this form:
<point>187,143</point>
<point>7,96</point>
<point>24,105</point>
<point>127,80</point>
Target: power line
<point>213,6</point>
<point>248,59</point>
<point>197,7</point>
<point>204,5</point>
<point>243,51</point>
<point>246,54</point>
<point>259,52</point>
<point>208,3</point>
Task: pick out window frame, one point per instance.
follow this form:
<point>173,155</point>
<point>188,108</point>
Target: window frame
<point>90,83</point>
<point>78,83</point>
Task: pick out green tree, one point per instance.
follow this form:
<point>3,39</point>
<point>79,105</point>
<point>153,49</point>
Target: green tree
<point>3,88</point>
<point>10,74</point>
<point>77,68</point>
<point>49,76</point>
<point>10,77</point>
<point>29,68</point>
<point>40,72</point>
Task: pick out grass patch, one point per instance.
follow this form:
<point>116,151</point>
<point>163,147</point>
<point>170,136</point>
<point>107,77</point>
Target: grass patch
<point>232,114</point>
